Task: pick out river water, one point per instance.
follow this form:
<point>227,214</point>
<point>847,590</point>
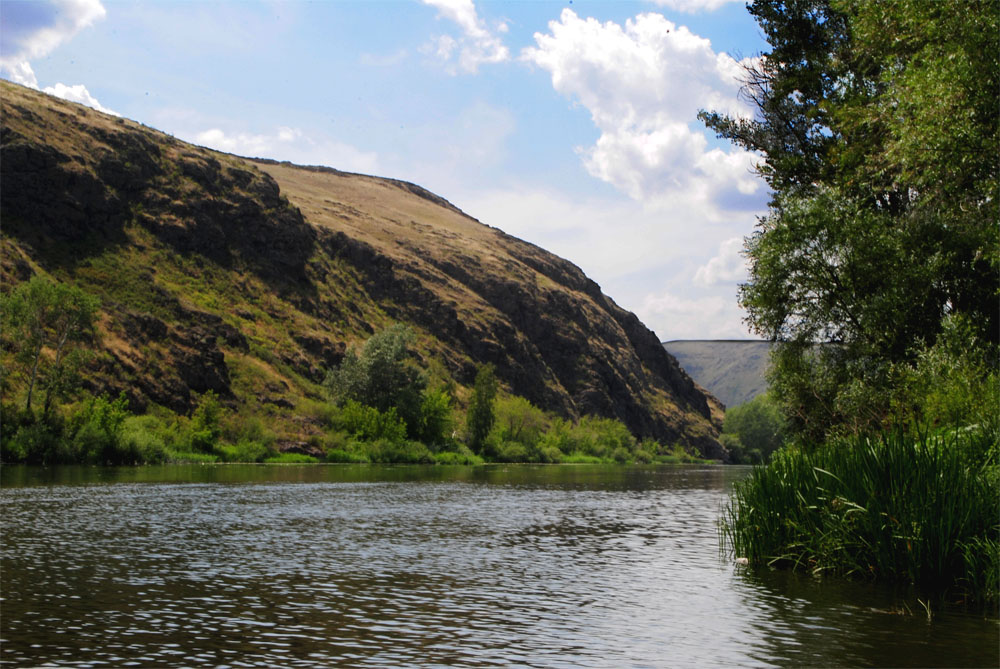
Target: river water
<point>304,566</point>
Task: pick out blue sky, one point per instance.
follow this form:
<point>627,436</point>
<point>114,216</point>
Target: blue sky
<point>571,125</point>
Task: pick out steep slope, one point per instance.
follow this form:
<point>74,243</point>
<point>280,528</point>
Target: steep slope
<point>252,278</point>
<point>732,370</point>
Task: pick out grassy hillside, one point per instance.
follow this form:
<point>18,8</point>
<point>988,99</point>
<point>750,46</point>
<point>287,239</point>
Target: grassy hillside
<point>731,370</point>
<point>252,278</point>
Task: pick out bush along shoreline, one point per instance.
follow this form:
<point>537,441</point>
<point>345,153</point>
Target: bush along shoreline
<point>101,431</point>
<point>915,509</point>
<point>382,409</point>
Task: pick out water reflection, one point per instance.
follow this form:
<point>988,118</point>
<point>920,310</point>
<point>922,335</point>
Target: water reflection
<point>360,566</point>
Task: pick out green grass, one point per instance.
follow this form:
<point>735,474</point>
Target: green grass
<point>891,507</point>
<point>290,458</point>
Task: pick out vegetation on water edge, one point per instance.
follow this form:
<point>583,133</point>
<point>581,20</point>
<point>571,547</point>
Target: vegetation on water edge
<point>893,507</point>
<point>876,275</point>
<point>100,430</point>
<point>382,408</point>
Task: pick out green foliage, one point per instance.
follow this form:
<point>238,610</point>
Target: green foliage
<point>381,376</point>
<point>290,458</point>
<point>516,435</point>
<point>436,422</point>
<point>753,431</point>
<point>244,451</point>
<point>889,507</point>
<point>366,423</point>
<point>481,416</point>
<point>399,452</point>
<point>463,457</point>
<point>878,125</point>
<point>44,323</point>
<point>206,424</point>
<point>950,383</point>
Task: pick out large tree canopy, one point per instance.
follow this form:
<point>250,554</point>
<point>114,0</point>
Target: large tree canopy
<point>877,127</point>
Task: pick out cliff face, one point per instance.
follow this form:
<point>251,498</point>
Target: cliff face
<point>251,278</point>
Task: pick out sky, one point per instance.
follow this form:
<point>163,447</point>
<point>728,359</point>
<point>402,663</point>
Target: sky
<point>571,125</point>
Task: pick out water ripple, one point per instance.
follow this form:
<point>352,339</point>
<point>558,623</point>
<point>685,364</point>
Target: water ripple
<point>589,573</point>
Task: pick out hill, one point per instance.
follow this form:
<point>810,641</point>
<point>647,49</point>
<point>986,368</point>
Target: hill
<point>732,370</point>
<point>251,278</point>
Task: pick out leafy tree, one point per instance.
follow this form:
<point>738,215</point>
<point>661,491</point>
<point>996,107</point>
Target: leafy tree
<point>878,128</point>
<point>44,324</point>
<point>206,423</point>
<point>380,375</point>
<point>435,417</point>
<point>758,426</point>
<point>481,414</point>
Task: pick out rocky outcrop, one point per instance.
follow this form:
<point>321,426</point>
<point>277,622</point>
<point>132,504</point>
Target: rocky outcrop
<point>251,279</point>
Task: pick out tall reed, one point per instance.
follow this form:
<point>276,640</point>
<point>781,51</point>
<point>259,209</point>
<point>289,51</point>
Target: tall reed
<point>918,509</point>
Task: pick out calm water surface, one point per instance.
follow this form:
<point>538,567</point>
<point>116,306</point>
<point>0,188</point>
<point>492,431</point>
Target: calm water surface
<point>359,566</point>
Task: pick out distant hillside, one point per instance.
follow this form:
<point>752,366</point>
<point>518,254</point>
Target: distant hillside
<point>732,370</point>
<point>252,278</point>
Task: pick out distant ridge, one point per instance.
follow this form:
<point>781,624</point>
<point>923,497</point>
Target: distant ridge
<point>731,369</point>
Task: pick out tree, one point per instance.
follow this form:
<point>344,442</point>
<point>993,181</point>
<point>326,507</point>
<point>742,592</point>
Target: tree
<point>878,129</point>
<point>44,323</point>
<point>380,375</point>
<point>758,426</point>
<point>481,415</point>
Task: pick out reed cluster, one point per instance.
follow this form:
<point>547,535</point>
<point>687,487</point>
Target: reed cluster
<point>921,509</point>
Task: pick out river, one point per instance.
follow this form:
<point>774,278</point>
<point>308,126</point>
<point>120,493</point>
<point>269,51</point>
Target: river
<point>309,566</point>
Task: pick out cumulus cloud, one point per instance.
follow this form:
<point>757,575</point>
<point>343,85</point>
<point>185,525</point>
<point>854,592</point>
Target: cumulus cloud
<point>476,46</point>
<point>31,29</point>
<point>643,84</point>
<point>727,266</point>
<point>287,144</point>
<point>78,93</point>
<point>676,317</point>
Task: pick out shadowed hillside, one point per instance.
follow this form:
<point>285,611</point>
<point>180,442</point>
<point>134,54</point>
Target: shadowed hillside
<point>732,370</point>
<point>251,279</point>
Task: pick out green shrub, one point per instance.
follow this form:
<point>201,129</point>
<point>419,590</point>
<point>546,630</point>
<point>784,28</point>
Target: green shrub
<point>206,424</point>
<point>244,451</point>
<point>366,423</point>
<point>341,455</point>
<point>290,458</point>
<point>577,458</point>
<point>518,420</point>
<point>457,458</point>
<point>38,443</point>
<point>480,416</point>
<point>435,425</point>
<point>602,437</point>
<point>754,430</point>
<point>399,452</point>
<point>96,433</point>
<point>382,376</point>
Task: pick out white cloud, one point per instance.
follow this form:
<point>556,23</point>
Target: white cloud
<point>31,30</point>
<point>476,45</point>
<point>78,93</point>
<point>727,266</point>
<point>287,144</point>
<point>693,6</point>
<point>644,84</point>
<point>675,317</point>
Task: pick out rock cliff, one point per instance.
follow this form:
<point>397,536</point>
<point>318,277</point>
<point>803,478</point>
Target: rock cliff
<point>251,278</point>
